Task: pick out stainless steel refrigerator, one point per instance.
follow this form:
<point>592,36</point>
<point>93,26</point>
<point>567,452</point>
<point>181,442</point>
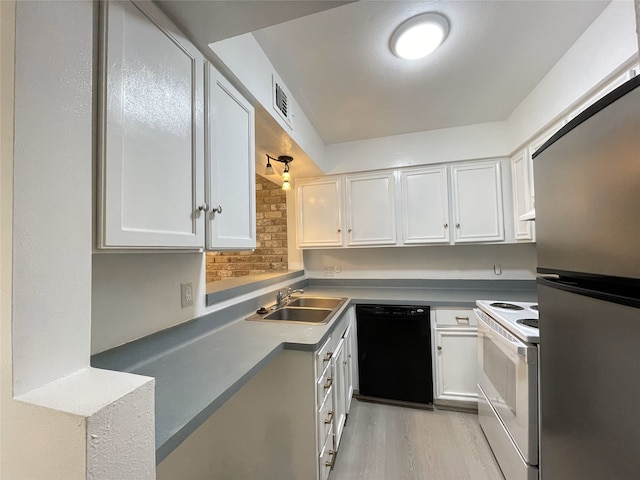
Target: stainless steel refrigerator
<point>587,182</point>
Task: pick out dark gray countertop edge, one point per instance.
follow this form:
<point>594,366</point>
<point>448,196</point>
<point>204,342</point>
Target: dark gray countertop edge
<point>220,291</point>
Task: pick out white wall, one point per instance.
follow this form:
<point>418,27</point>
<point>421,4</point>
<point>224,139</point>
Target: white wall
<point>244,57</point>
<point>471,142</point>
<point>57,413</point>
<point>603,48</point>
<point>518,262</point>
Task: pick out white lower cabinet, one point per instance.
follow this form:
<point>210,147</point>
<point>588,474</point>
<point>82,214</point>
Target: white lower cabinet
<point>455,356</point>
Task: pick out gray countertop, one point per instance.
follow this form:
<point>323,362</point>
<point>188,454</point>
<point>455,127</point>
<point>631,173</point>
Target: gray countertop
<point>201,364</point>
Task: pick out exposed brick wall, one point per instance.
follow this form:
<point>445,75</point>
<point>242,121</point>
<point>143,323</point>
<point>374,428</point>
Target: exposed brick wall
<point>271,242</point>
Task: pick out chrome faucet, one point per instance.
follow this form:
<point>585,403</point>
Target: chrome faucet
<point>282,300</point>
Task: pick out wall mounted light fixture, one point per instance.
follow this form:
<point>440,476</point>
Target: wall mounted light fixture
<point>286,176</point>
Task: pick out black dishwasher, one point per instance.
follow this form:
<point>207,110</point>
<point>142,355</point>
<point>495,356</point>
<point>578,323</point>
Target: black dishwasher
<point>394,353</point>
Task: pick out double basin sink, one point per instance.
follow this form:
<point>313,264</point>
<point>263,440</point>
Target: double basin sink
<point>310,310</point>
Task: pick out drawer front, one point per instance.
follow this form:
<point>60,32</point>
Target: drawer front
<point>327,457</point>
<point>323,386</point>
<point>325,419</point>
<point>323,357</point>
<point>455,317</point>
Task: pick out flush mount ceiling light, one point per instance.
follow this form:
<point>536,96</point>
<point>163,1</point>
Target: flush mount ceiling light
<point>286,176</point>
<point>419,36</point>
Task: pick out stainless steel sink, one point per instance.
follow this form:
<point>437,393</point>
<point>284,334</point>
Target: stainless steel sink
<point>316,302</point>
<point>309,310</point>
<point>306,315</point>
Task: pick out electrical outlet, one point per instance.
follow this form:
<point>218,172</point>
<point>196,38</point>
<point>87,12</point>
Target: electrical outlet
<point>186,294</point>
<point>328,271</point>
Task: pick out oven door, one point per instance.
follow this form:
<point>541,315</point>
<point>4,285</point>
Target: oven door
<point>508,375</point>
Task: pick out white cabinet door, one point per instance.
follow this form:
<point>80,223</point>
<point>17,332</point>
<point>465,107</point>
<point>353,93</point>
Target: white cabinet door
<point>477,201</point>
<point>230,173</point>
<point>456,364</point>
<point>522,198</point>
<point>371,209</point>
<point>339,391</point>
<point>151,157</point>
<point>319,212</point>
<point>425,205</point>
<point>349,353</point>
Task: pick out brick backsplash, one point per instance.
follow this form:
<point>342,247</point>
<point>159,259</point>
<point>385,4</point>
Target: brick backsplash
<point>271,239</point>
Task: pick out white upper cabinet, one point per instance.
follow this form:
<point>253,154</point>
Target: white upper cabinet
<point>371,217</point>
<point>522,197</point>
<point>230,167</point>
<point>425,205</point>
<point>319,212</point>
<point>477,202</point>
<point>151,156</point>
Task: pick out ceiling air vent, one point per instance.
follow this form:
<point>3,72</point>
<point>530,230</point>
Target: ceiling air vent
<point>281,101</point>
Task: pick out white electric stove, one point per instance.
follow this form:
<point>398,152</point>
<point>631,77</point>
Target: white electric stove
<point>508,341</point>
<point>520,318</point>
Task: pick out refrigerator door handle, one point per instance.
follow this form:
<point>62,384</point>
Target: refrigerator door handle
<point>549,276</point>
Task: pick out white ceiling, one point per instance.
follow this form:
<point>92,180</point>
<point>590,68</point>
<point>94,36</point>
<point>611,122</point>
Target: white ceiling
<point>338,66</point>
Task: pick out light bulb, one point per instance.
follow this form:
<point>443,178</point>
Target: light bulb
<point>286,186</point>
<point>286,176</point>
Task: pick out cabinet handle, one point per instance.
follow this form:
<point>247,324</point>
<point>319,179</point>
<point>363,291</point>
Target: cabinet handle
<point>339,230</point>
<point>327,357</point>
<point>329,383</point>
<point>330,462</point>
<point>457,225</point>
<point>217,210</point>
<point>446,225</point>
<point>439,348</point>
<point>462,319</point>
<point>203,208</point>
<point>328,420</point>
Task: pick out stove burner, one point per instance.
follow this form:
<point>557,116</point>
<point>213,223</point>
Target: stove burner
<point>529,322</point>
<point>506,306</point>
<point>534,307</point>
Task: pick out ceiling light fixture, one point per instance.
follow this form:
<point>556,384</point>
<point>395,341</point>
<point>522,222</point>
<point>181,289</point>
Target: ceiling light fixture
<point>286,176</point>
<point>419,36</point>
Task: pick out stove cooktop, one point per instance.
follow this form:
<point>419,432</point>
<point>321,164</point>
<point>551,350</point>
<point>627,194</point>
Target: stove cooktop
<point>520,318</point>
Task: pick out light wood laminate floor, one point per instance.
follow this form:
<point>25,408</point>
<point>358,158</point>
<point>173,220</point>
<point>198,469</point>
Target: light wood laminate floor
<point>384,442</point>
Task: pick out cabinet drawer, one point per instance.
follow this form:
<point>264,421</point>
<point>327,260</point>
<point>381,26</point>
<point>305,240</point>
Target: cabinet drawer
<point>323,357</point>
<point>324,384</point>
<point>325,419</point>
<point>327,456</point>
<point>455,317</point>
